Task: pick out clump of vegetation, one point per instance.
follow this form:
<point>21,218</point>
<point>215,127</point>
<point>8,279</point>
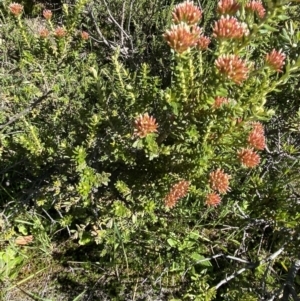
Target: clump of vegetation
<point>146,143</point>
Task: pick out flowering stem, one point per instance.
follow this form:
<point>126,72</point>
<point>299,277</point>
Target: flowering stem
<point>200,63</point>
<point>208,131</point>
<point>261,93</point>
<point>284,77</point>
<point>248,40</point>
<point>50,24</point>
<point>191,74</point>
<point>23,32</point>
<point>61,45</point>
<point>43,46</point>
<point>182,78</point>
<point>73,18</point>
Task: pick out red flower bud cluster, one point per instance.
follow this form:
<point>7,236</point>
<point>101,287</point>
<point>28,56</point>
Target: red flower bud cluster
<point>213,199</point>
<point>84,35</point>
<point>219,181</point>
<point>181,37</point>
<point>43,33</point>
<point>186,12</point>
<point>232,67</point>
<point>16,9</point>
<point>144,125</point>
<point>47,14</point>
<point>248,157</point>
<point>177,192</point>
<point>256,7</point>
<point>229,27</point>
<point>256,137</point>
<point>203,42</point>
<point>228,7</point>
<point>184,33</point>
<point>60,32</point>
<point>219,101</point>
<point>275,59</point>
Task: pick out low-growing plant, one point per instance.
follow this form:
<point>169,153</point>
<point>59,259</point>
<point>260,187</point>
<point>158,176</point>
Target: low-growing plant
<point>163,168</point>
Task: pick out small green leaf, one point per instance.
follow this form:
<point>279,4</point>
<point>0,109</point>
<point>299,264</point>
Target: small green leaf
<point>194,235</point>
<point>85,238</point>
<point>269,28</point>
<point>22,229</point>
<point>138,144</point>
<point>172,243</point>
<point>198,257</point>
<point>134,218</point>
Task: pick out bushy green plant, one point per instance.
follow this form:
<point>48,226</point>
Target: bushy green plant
<point>125,151</point>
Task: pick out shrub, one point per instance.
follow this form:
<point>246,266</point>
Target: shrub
<point>127,150</point>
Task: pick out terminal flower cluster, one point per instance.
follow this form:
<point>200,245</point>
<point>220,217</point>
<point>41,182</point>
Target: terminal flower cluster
<point>228,7</point>
<point>213,199</point>
<point>16,9</point>
<point>144,125</point>
<point>256,137</point>
<point>219,181</point>
<point>47,14</point>
<point>256,7</point>
<point>185,33</point>
<point>219,101</point>
<point>186,12</point>
<point>203,42</point>
<point>177,192</point>
<point>181,37</point>
<point>60,32</point>
<point>233,67</point>
<point>275,60</point>
<point>43,33</point>
<point>229,27</point>
<point>248,157</point>
<point>84,35</point>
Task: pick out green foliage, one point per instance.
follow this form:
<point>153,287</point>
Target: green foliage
<point>72,153</point>
<point>9,260</point>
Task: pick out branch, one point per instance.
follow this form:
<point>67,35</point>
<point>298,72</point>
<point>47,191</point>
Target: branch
<point>110,44</point>
<point>214,257</point>
<point>289,283</point>
<point>227,279</point>
<point>98,29</point>
<point>28,109</point>
<point>123,48</point>
<point>250,266</point>
<point>116,23</point>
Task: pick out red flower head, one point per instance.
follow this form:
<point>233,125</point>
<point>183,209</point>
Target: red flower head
<point>186,12</point>
<point>16,9</point>
<point>144,125</point>
<point>256,137</point>
<point>60,32</point>
<point>258,127</point>
<point>219,101</point>
<point>213,199</point>
<point>84,35</point>
<point>203,42</point>
<point>232,67</point>
<point>219,181</point>
<point>177,192</point>
<point>275,59</point>
<point>181,37</point>
<point>256,7</point>
<point>228,7</point>
<point>229,27</point>
<point>44,33</point>
<point>47,14</point>
<point>248,157</point>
